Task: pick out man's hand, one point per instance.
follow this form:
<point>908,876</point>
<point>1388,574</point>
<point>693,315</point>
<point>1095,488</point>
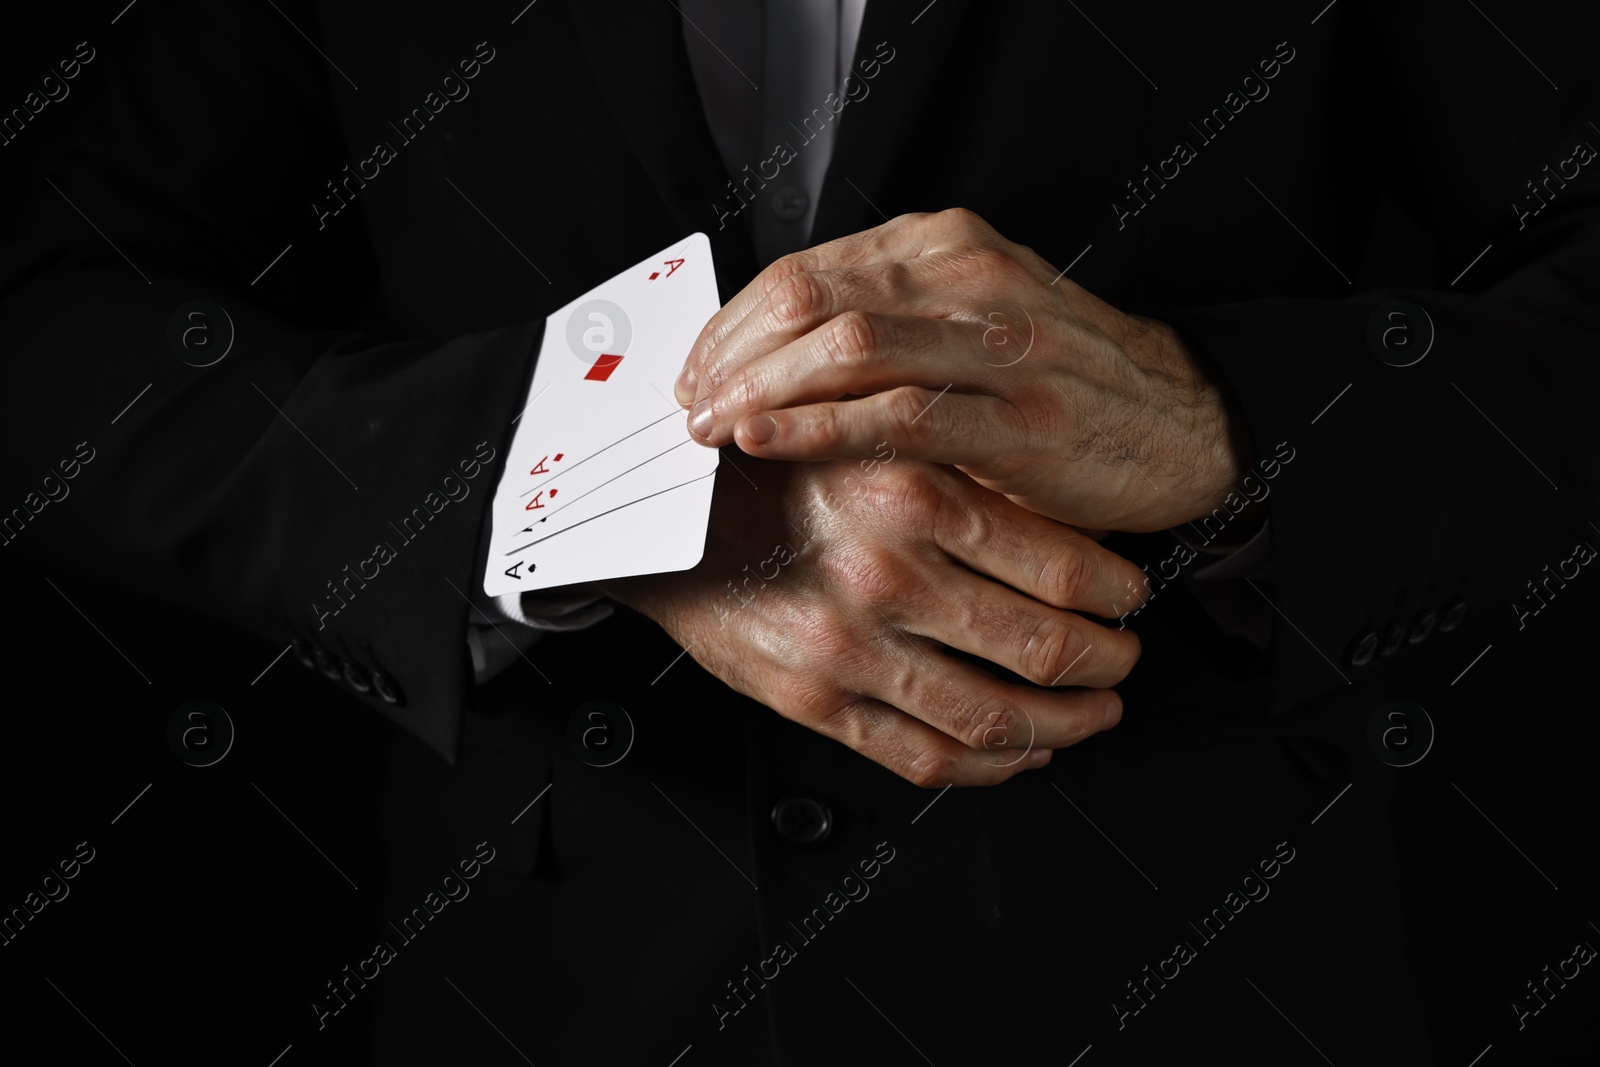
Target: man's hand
<point>834,594</point>
<point>956,346</point>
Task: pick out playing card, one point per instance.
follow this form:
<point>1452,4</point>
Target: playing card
<point>603,479</point>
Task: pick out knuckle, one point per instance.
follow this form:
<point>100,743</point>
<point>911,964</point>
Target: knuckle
<point>903,498</point>
<point>795,300</point>
<point>875,576</point>
<point>910,219</point>
<point>810,699</point>
<point>827,425</point>
<point>832,653</point>
<point>957,520</point>
<point>930,769</point>
<point>742,391</point>
<point>1052,648</point>
<point>740,388</point>
<point>992,724</point>
<point>830,639</point>
<point>851,339</point>
<point>981,255</point>
<point>896,283</point>
<point>907,407</point>
<point>786,267</point>
<point>964,220</point>
<point>1064,579</point>
<point>843,716</point>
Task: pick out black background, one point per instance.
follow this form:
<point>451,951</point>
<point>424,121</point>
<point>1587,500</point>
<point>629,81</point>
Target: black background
<point>205,920</point>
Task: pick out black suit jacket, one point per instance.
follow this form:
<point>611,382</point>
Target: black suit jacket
<point>1220,169</point>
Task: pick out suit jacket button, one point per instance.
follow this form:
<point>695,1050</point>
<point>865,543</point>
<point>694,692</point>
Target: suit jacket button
<point>790,202</point>
<point>1362,649</point>
<point>1453,616</point>
<point>302,652</point>
<point>387,688</point>
<point>355,677</point>
<point>802,820</point>
<point>1422,627</point>
<point>326,663</point>
<point>1393,637</point>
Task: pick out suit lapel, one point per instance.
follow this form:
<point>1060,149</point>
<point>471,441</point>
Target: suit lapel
<point>873,131</point>
<point>636,50</point>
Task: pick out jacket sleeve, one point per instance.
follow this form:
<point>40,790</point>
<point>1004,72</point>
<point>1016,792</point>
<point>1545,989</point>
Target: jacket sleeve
<point>319,482</point>
<point>1415,494</point>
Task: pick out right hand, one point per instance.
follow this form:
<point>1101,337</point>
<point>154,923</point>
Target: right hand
<point>850,634</point>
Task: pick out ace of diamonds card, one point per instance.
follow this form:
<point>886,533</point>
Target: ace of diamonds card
<point>603,480</point>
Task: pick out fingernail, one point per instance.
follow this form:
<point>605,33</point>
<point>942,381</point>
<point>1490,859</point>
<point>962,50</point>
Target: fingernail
<point>700,419</point>
<point>1113,715</point>
<point>683,388</point>
<point>761,429</point>
<point>1038,758</point>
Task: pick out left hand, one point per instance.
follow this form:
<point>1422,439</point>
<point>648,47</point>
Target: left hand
<point>938,336</point>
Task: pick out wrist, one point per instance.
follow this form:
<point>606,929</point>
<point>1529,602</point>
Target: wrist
<point>1217,448</point>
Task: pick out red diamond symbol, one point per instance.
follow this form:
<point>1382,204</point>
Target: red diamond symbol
<point>602,368</point>
<point>654,275</point>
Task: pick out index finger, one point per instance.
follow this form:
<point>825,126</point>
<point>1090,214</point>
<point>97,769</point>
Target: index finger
<point>891,241</point>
